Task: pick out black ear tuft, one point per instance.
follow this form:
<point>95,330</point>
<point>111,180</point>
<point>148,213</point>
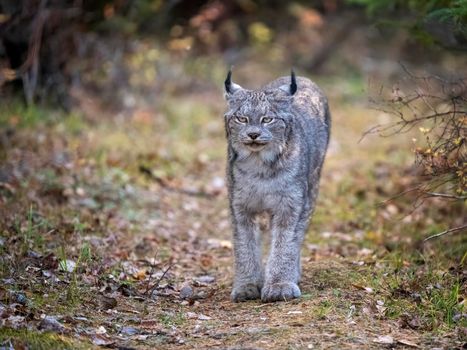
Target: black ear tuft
<point>228,82</point>
<point>293,83</point>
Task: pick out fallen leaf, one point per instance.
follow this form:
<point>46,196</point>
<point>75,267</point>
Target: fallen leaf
<point>219,243</point>
<point>107,302</point>
<point>408,343</point>
<point>15,321</point>
<point>101,340</point>
<point>294,312</point>
<point>101,330</point>
<point>384,339</point>
<point>191,315</point>
<point>50,323</point>
<point>140,274</point>
<point>366,289</point>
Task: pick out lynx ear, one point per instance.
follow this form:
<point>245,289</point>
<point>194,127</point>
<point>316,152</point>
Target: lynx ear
<point>229,86</point>
<point>292,88</point>
<point>293,83</point>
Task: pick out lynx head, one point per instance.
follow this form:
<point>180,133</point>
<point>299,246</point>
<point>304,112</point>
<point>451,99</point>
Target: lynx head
<point>258,121</point>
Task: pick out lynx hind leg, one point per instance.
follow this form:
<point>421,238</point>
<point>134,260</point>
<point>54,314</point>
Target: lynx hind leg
<point>248,279</point>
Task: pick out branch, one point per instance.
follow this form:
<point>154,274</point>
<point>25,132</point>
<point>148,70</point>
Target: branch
<point>150,289</point>
<point>189,192</point>
<point>445,195</point>
<point>455,229</point>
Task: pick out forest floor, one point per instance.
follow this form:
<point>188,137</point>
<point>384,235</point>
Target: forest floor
<point>115,232</point>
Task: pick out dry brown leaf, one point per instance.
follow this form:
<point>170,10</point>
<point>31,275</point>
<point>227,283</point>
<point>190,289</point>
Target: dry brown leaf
<point>408,343</point>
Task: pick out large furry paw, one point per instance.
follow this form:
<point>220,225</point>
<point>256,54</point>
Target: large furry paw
<point>279,292</point>
<point>244,292</point>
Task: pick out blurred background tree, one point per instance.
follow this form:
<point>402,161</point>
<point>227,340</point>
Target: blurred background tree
<point>47,45</point>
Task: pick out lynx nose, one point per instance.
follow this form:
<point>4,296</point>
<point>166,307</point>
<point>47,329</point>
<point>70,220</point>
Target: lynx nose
<point>253,135</point>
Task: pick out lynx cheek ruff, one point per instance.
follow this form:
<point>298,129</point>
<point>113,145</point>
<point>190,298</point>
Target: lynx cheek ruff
<point>277,139</point>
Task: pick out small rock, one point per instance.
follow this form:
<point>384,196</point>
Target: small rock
<point>186,292</point>
<point>256,330</point>
<point>47,273</point>
<point>202,317</point>
<point>3,311</point>
<point>50,323</point>
<point>33,254</point>
<point>459,316</point>
<point>20,298</point>
<point>129,331</point>
<point>205,279</point>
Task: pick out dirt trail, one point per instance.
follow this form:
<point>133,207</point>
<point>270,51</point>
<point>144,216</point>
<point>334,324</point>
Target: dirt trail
<point>335,311</point>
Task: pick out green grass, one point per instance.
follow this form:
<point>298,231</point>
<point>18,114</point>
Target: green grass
<point>172,318</point>
<point>39,341</point>
<point>16,114</point>
<point>323,309</point>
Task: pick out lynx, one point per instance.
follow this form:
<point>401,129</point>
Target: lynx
<point>277,140</point>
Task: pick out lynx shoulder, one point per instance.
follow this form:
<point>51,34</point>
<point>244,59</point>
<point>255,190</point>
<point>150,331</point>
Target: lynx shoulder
<point>277,139</point>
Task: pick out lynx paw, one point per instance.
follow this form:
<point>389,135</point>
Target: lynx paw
<point>244,292</point>
<point>280,292</point>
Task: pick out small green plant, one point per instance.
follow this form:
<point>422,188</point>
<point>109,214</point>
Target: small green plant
<point>323,309</point>
<point>31,233</point>
<point>445,302</point>
<point>172,319</point>
<point>73,292</point>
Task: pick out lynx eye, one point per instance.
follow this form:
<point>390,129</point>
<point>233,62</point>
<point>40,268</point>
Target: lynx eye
<point>266,120</point>
<point>241,120</point>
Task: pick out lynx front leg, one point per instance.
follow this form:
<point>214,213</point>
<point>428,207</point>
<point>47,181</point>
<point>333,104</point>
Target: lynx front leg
<point>247,250</point>
<point>283,266</point>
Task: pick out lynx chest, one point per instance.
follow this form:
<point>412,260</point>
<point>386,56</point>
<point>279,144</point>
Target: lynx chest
<point>258,190</point>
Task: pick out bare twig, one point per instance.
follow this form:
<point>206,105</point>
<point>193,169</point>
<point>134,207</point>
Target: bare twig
<point>417,188</point>
<point>150,289</point>
<point>163,183</point>
<point>455,229</point>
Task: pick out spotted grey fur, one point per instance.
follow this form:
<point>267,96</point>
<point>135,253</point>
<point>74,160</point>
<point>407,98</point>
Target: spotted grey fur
<point>277,172</point>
